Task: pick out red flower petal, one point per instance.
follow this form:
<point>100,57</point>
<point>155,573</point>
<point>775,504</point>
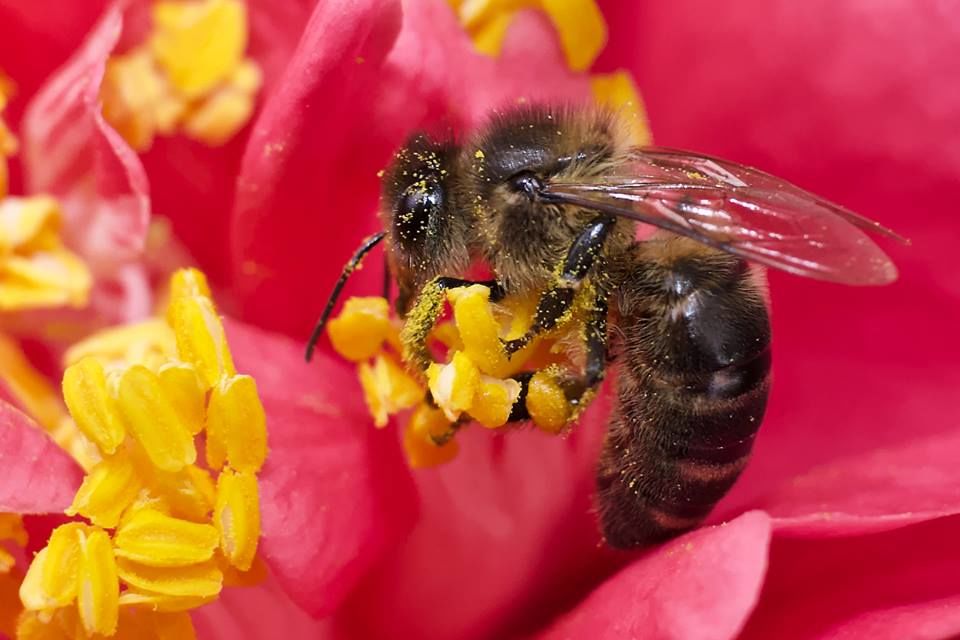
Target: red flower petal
<point>703,585</point>
<point>194,184</point>
<point>884,489</point>
<point>854,101</point>
<point>507,527</point>
<point>892,585</point>
<point>309,174</point>
<point>335,494</point>
<point>256,613</point>
<point>37,476</point>
<point>71,152</point>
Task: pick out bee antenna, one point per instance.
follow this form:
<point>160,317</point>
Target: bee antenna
<point>368,243</point>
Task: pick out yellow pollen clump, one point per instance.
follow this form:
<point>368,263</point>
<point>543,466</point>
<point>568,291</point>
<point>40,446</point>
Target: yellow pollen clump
<point>190,75</point>
<point>164,531</point>
<point>546,403</point>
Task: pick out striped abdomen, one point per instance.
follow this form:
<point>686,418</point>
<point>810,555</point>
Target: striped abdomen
<point>692,390</point>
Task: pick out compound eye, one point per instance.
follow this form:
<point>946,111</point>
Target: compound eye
<point>417,205</point>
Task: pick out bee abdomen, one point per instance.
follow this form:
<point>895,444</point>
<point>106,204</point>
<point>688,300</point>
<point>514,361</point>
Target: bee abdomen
<point>692,393</point>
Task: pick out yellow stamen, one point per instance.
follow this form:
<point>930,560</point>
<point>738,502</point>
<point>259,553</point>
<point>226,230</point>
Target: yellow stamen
<point>158,540</point>
<point>428,440</point>
<point>36,270</point>
<point>358,332</point>
<point>51,580</point>
<point>579,23</point>
<point>98,587</point>
<point>454,385</point>
<point>494,401</point>
<point>198,44</point>
<point>91,405</point>
<point>546,403</point>
<point>190,75</point>
<point>201,340</point>
<point>236,425</point>
<point>153,421</point>
<point>109,488</point>
<point>183,389</point>
<point>237,516</point>
<point>387,388</point>
<point>618,91</point>
<point>203,580</point>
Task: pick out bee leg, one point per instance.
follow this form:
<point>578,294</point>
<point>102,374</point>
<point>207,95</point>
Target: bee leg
<point>556,301</point>
<point>423,315</point>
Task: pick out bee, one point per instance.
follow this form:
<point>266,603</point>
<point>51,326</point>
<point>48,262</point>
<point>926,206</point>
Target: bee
<point>549,198</point>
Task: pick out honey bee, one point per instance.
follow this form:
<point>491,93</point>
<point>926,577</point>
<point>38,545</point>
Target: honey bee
<point>549,199</point>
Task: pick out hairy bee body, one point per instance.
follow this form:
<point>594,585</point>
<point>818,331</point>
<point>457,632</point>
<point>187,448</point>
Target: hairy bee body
<point>692,388</point>
<point>548,199</point>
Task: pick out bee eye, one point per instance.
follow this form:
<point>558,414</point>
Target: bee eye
<point>417,204</point>
<point>527,183</point>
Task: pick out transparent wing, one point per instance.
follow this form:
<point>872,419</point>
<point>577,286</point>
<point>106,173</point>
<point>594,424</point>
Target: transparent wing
<point>740,210</point>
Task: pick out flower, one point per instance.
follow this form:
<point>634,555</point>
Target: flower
<point>843,522</point>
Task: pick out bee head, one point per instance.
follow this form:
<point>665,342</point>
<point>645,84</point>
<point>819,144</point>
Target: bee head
<point>425,236</point>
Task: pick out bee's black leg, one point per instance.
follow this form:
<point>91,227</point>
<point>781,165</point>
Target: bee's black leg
<point>426,309</point>
<point>556,301</point>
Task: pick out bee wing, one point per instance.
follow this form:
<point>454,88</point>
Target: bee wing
<point>739,210</point>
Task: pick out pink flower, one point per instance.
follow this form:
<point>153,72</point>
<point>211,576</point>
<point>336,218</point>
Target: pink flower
<point>842,525</point>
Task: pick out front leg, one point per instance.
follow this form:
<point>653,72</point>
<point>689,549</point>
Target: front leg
<point>557,300</point>
<point>423,315</point>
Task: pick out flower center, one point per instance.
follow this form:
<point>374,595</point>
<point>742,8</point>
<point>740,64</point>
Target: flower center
<point>164,527</point>
<point>190,75</point>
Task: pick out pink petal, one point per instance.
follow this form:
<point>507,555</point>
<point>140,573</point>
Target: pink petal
<point>193,184</point>
<point>70,152</point>
<point>886,586</point>
<point>37,477</point>
<point>703,585</point>
<point>854,101</point>
<point>309,174</point>
<point>505,535</point>
<point>257,613</point>
<point>883,489</point>
<point>335,494</point>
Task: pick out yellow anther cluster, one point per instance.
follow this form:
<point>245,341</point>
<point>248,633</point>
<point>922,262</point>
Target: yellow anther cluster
<point>190,75</point>
<point>163,529</point>
<point>582,30</point>
<point>583,34</point>
<point>472,382</point>
<point>36,270</point>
